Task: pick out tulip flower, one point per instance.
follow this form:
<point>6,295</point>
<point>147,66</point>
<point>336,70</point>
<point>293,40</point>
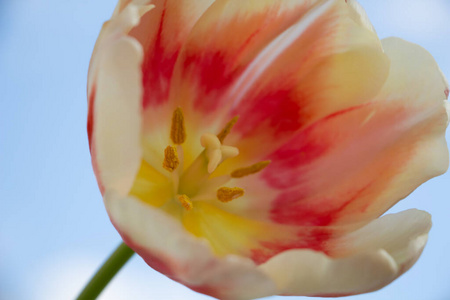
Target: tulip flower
<point>250,148</point>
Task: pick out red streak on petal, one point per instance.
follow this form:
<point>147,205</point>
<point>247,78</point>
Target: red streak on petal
<point>313,239</point>
<point>306,147</point>
<point>159,262</point>
<point>447,91</point>
<point>90,133</point>
<point>277,109</point>
<point>90,118</point>
<point>157,69</point>
<point>289,209</point>
<point>296,209</point>
<point>205,289</point>
<point>214,73</point>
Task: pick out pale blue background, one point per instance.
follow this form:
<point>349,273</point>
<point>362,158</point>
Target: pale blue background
<point>54,231</point>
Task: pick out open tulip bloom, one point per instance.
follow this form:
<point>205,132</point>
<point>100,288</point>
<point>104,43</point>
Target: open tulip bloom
<point>247,148</point>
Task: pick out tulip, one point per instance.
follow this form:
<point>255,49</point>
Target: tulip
<point>249,148</point>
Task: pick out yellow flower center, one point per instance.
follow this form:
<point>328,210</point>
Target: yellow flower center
<point>183,186</point>
<point>187,186</point>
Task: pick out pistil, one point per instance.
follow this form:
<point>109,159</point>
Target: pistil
<point>215,151</point>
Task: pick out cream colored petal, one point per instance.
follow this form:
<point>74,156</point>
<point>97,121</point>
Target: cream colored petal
<point>117,114</point>
<point>352,166</point>
<point>359,15</point>
<point>122,21</point>
<point>310,273</point>
<point>414,75</point>
<point>165,245</point>
<point>402,235</point>
<point>322,62</point>
<point>416,83</point>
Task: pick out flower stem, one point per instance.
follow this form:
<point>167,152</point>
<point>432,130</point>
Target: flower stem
<point>107,272</point>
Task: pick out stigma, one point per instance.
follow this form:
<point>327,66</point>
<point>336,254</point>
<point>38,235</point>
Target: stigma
<point>215,151</point>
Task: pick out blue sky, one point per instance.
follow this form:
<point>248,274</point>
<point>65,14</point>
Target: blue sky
<point>54,231</point>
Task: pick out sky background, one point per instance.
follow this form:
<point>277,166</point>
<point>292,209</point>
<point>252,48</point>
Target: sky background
<point>54,231</point>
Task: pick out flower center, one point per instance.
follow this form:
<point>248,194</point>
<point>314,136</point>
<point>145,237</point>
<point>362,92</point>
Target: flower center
<point>189,184</point>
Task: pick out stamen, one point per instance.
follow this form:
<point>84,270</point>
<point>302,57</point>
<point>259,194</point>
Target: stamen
<point>226,194</point>
<point>171,160</point>
<point>250,170</point>
<point>223,134</point>
<point>186,202</point>
<point>178,131</point>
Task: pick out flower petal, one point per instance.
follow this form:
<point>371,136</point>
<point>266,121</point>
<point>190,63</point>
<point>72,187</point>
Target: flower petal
<point>359,15</point>
<point>311,56</point>
<point>162,32</point>
<point>309,273</point>
<point>126,15</point>
<point>117,114</point>
<point>164,244</point>
<point>403,235</point>
<point>107,54</point>
<point>414,76</point>
<point>355,164</point>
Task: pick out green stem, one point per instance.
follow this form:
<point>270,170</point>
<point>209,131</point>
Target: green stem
<point>107,272</point>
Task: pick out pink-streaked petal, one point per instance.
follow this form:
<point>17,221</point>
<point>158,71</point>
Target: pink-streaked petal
<point>164,244</point>
<point>313,58</point>
<point>403,235</point>
<point>309,273</point>
<point>355,164</point>
<point>117,114</point>
<point>162,32</point>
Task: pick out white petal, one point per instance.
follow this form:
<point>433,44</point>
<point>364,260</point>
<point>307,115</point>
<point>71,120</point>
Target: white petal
<point>151,232</point>
<point>117,114</point>
<point>120,24</point>
<point>310,273</point>
<point>402,235</point>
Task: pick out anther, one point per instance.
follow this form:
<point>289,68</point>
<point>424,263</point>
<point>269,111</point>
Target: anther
<point>186,202</point>
<point>226,194</point>
<point>171,160</point>
<point>225,131</point>
<point>178,131</point>
<point>250,170</point>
